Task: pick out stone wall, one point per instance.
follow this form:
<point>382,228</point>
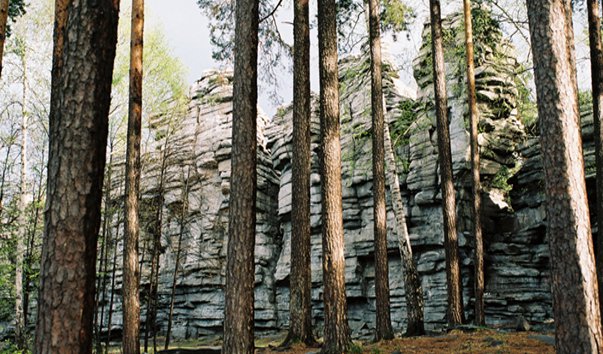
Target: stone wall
<point>516,262</point>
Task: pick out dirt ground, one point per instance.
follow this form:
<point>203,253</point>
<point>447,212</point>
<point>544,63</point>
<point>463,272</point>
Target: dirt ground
<point>480,341</point>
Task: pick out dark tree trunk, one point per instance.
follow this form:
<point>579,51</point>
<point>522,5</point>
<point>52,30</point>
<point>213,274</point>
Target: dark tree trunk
<point>336,329</point>
<point>151,313</point>
<point>383,321</point>
<point>573,276</point>
<point>3,23</point>
<point>453,273</point>
<point>183,215</point>
<point>596,64</point>
<point>240,270</point>
<point>101,280</point>
<point>79,112</point>
<point>131,301</point>
<point>111,298</point>
<point>300,303</point>
<point>476,211</point>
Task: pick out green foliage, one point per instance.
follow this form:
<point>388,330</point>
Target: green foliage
<point>395,16</point>
<point>501,179</point>
<point>273,52</point>
<point>164,83</point>
<point>526,106</point>
<point>355,348</point>
<point>16,9</point>
<point>401,126</point>
<point>585,99</point>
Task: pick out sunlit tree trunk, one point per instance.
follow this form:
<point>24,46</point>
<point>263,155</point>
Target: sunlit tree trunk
<point>131,301</point>
<point>78,136</point>
<point>412,281</point>
<point>336,329</point>
<point>383,316</point>
<point>453,272</point>
<point>480,318</point>
<point>573,276</point>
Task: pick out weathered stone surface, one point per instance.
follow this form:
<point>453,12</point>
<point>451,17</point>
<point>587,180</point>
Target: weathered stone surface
<point>517,258</point>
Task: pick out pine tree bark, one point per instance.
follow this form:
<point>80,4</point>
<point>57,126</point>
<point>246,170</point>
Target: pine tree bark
<point>596,65</point>
<point>453,272</point>
<point>573,277</point>
<point>22,219</point>
<point>412,281</point>
<point>476,210</point>
<point>300,302</point>
<point>3,24</point>
<point>336,329</point>
<point>80,100</point>
<point>383,316</point>
<point>131,274</point>
<point>240,267</point>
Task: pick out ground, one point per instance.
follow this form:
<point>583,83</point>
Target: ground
<point>456,341</point>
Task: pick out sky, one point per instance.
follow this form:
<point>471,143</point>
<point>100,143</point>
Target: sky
<point>187,31</point>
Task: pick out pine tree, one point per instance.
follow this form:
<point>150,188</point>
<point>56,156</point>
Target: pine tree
<point>336,329</point>
<point>383,320</point>
<point>78,136</point>
<point>451,247</point>
<point>574,284</point>
<point>131,301</point>
<point>240,267</point>
<point>300,303</point>
<point>476,192</point>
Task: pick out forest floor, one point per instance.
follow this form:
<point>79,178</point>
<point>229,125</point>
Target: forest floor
<point>456,341</point>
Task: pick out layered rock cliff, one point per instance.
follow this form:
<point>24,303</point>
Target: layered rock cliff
<point>199,145</point>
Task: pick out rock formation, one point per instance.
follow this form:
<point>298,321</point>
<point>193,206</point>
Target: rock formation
<point>516,263</point>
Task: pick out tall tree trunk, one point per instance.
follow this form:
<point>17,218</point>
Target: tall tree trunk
<point>596,65</point>
<point>22,219</point>
<point>151,313</point>
<point>78,137</point>
<point>3,23</point>
<point>453,272</point>
<point>383,321</point>
<point>574,282</point>
<point>183,215</point>
<point>110,310</point>
<point>29,254</point>
<point>336,329</point>
<point>476,211</point>
<point>101,280</point>
<point>300,302</point>
<point>412,281</point>
<point>131,301</point>
<point>240,267</point>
